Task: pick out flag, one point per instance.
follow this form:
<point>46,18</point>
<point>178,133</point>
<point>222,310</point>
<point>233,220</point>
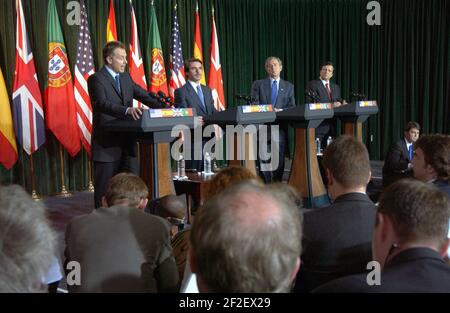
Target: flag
<point>135,58</point>
<point>215,71</point>
<point>176,63</point>
<point>8,148</point>
<point>158,80</point>
<point>84,67</point>
<point>28,110</point>
<point>111,30</point>
<point>198,52</point>
<point>60,115</point>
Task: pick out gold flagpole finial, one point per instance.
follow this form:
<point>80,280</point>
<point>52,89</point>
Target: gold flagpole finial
<point>196,6</point>
<point>212,10</point>
<point>152,2</point>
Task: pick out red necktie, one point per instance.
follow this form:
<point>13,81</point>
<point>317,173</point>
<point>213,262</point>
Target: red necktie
<point>327,87</point>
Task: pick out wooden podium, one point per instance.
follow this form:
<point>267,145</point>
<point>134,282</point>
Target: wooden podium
<point>153,132</point>
<point>354,114</point>
<point>305,174</point>
<point>245,143</point>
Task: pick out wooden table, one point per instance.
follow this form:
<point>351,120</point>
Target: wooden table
<point>195,188</point>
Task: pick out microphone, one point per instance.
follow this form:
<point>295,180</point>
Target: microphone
<point>359,96</point>
<point>167,99</point>
<point>157,97</point>
<point>243,97</point>
<point>312,94</point>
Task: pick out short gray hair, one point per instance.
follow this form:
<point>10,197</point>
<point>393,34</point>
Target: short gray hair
<point>273,57</point>
<point>27,242</point>
<point>238,249</point>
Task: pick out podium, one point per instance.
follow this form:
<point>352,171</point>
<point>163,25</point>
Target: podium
<point>354,114</point>
<point>305,174</point>
<point>153,132</point>
<point>244,147</point>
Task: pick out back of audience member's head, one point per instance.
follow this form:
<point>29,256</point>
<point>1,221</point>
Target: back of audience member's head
<point>27,242</point>
<point>246,239</point>
<point>126,189</point>
<point>436,153</point>
<point>289,191</point>
<point>411,213</point>
<point>171,206</point>
<point>229,176</point>
<point>346,161</point>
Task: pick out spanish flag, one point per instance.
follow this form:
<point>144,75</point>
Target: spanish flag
<point>111,30</point>
<point>8,148</point>
<point>198,54</point>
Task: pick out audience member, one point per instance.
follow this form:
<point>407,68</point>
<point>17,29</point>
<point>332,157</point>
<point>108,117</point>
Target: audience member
<point>409,242</point>
<point>337,238</point>
<point>431,161</point>
<point>119,247</point>
<point>27,242</point>
<point>246,239</point>
<point>397,163</point>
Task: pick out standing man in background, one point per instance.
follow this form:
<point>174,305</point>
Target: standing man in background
<point>280,93</point>
<point>327,92</point>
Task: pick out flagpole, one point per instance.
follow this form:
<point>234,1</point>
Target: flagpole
<point>90,185</point>
<point>64,193</point>
<point>34,194</point>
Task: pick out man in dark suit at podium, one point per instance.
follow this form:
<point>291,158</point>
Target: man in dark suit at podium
<point>326,92</point>
<point>397,163</point>
<point>280,93</point>
<point>112,92</point>
<point>197,96</point>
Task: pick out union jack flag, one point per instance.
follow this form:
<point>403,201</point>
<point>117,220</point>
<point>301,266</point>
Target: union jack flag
<point>84,68</point>
<point>27,99</point>
<point>176,63</point>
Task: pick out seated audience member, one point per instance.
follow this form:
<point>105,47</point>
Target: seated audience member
<point>337,238</point>
<point>119,247</point>
<point>246,239</point>
<point>172,208</point>
<point>222,180</point>
<point>27,242</point>
<point>397,163</point>
<point>431,161</point>
<point>409,242</point>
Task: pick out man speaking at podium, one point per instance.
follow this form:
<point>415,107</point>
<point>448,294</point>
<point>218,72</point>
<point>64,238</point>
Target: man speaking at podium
<point>112,92</point>
<point>197,96</point>
<point>325,91</point>
<point>280,93</point>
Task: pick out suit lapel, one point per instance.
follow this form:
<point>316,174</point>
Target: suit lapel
<point>268,91</point>
<point>111,80</point>
<point>195,98</point>
<point>281,92</point>
<point>405,149</point>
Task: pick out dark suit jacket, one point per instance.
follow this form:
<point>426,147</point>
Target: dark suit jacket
<point>396,163</point>
<point>261,91</point>
<point>121,250</point>
<point>327,126</point>
<point>186,97</point>
<point>412,270</point>
<point>109,104</point>
<point>336,240</point>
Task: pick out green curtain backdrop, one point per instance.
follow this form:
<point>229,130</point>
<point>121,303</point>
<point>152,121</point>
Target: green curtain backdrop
<point>404,64</point>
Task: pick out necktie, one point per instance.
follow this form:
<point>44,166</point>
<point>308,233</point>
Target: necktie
<point>327,86</point>
<point>118,82</point>
<point>200,95</point>
<point>410,150</point>
<point>274,93</point>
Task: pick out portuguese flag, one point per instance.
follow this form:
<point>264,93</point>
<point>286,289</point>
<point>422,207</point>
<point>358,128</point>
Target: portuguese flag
<point>60,116</point>
<point>158,80</point>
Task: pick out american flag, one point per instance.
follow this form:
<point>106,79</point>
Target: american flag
<point>176,63</point>
<point>27,99</point>
<point>84,68</point>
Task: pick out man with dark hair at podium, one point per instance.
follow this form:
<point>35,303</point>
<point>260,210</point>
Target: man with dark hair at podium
<point>280,93</point>
<point>197,96</point>
<point>397,163</point>
<point>112,91</point>
<point>325,91</point>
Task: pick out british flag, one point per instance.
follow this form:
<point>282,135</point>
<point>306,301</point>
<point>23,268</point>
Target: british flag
<point>176,57</point>
<point>27,99</point>
<point>84,68</point>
